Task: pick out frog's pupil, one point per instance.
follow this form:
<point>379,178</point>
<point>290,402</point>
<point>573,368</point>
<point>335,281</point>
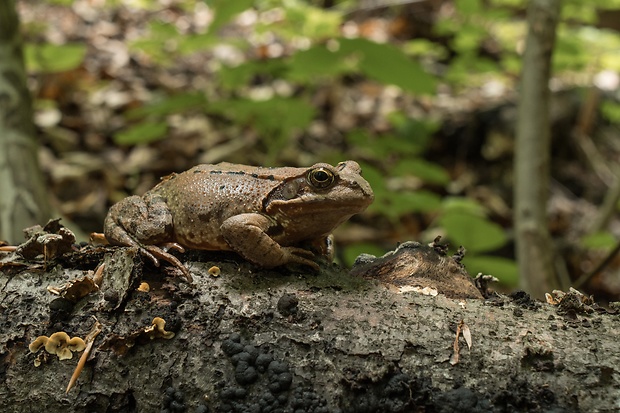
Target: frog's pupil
<point>321,176</point>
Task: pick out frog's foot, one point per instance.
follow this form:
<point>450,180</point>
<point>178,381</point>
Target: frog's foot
<point>299,256</point>
<point>154,253</point>
<point>169,246</point>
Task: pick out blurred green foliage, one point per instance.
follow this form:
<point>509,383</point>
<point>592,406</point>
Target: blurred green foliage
<point>393,162</point>
<point>599,240</point>
<point>49,58</point>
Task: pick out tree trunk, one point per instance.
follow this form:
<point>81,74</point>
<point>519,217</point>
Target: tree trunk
<point>23,198</point>
<point>282,341</point>
<point>534,247</point>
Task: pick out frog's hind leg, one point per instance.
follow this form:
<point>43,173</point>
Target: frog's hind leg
<point>153,252</point>
<point>144,222</point>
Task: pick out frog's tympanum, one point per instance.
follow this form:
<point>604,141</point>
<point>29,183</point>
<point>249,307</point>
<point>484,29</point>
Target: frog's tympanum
<point>270,216</point>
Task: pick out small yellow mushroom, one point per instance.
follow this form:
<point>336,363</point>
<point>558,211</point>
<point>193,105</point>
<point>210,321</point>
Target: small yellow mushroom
<point>144,287</point>
<point>58,343</point>
<point>158,328</point>
<point>37,344</point>
<point>214,271</point>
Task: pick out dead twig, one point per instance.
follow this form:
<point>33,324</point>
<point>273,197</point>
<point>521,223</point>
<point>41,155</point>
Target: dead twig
<point>90,339</point>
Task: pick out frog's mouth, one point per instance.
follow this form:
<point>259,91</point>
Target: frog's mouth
<point>320,204</point>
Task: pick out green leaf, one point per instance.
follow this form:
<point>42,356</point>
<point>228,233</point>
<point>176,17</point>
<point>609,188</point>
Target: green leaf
<point>274,116</point>
<point>316,62</point>
<point>313,22</point>
<point>599,240</point>
<point>197,42</point>
<point>403,203</point>
<point>475,233</point>
<point>611,111</point>
<point>426,49</point>
<point>53,58</point>
<point>235,77</point>
<point>457,204</point>
<point>367,145</point>
<point>427,171</point>
<point>505,270</point>
<point>469,38</point>
<point>225,10</point>
<point>468,6</point>
<point>161,43</point>
<point>570,52</point>
<point>388,64</point>
<point>141,133</point>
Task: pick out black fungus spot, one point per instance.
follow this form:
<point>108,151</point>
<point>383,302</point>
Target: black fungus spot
<point>287,304</point>
<point>111,296</point>
<point>277,367</point>
<point>252,351</point>
<point>523,300</point>
<point>201,408</point>
<point>262,362</point>
<point>232,345</point>
<point>262,384</point>
<point>391,394</point>
<point>61,304</point>
<point>306,400</point>
<point>280,377</point>
<point>173,401</point>
<point>397,385</point>
<point>245,374</point>
<point>233,393</point>
<point>281,382</point>
<point>461,399</point>
<point>243,357</point>
<point>176,406</point>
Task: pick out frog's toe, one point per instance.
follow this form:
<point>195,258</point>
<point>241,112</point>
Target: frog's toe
<point>154,251</point>
<point>301,256</point>
<point>145,251</point>
<point>170,246</point>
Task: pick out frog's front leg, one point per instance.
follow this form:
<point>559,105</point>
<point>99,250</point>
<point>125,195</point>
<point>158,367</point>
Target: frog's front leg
<point>247,235</point>
<point>143,222</point>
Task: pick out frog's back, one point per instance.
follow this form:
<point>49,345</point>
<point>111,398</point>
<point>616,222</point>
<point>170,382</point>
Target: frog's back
<point>202,198</point>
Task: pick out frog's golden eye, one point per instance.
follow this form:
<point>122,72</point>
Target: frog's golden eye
<point>321,177</point>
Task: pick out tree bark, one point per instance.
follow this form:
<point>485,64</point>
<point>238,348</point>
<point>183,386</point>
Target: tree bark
<point>282,341</point>
<point>533,242</point>
<point>23,197</point>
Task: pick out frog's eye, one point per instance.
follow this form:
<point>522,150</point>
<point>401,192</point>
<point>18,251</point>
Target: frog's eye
<point>321,177</point>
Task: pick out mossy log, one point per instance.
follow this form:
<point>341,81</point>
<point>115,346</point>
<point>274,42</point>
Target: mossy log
<point>251,340</point>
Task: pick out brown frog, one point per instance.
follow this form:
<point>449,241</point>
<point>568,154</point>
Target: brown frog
<point>265,214</point>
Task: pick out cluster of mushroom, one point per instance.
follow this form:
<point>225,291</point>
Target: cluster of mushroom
<point>58,343</point>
